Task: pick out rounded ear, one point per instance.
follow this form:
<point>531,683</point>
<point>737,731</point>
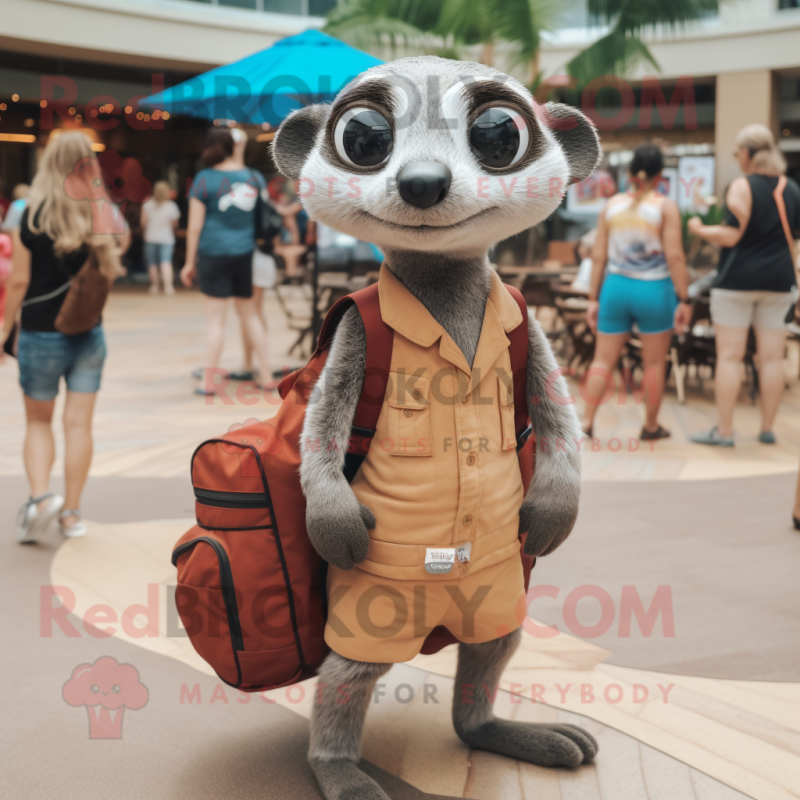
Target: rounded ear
<point>295,138</point>
<point>577,136</point>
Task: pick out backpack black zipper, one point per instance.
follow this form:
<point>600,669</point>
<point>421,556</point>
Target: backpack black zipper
<point>209,497</point>
<point>228,592</point>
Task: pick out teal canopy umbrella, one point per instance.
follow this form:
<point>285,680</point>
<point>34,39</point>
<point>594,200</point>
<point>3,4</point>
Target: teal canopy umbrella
<point>311,67</point>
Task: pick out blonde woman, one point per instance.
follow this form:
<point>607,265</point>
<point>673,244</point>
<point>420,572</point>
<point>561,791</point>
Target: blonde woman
<point>159,219</point>
<point>756,281</point>
<point>56,232</point>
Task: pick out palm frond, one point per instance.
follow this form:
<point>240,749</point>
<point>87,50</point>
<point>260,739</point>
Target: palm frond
<point>521,23</point>
<point>635,16</point>
<point>616,54</point>
<point>369,33</point>
<point>467,21</point>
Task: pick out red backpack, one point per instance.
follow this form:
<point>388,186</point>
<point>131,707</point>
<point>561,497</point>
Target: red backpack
<point>251,588</point>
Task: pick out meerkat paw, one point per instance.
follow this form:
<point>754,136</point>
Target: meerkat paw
<point>343,780</point>
<point>545,744</point>
<point>547,521</point>
<point>338,528</point>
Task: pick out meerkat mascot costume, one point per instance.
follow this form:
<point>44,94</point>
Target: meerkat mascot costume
<point>434,161</point>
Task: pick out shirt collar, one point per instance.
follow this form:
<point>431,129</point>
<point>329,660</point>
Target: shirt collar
<point>403,312</point>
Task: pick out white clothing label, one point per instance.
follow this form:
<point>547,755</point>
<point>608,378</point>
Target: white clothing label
<point>439,560</point>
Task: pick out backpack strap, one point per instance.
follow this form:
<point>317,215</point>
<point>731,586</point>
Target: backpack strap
<point>380,338</point>
<point>778,196</point>
<point>518,352</point>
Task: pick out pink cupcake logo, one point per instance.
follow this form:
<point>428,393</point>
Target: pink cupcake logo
<point>106,688</point>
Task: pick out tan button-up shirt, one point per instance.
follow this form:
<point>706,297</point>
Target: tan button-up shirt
<point>442,469</point>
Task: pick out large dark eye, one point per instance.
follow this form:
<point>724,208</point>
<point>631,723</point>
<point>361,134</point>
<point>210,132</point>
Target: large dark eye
<point>499,137</point>
<point>363,137</point>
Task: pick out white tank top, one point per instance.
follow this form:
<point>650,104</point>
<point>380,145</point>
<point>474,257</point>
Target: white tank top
<point>634,238</point>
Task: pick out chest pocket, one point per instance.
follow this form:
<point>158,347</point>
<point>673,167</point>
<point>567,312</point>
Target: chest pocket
<point>409,411</point>
<point>505,395</point>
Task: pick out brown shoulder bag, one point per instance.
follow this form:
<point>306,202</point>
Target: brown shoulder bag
<point>86,296</point>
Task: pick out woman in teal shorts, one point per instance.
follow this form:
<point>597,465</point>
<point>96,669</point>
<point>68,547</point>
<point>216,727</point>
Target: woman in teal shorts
<point>639,262</point>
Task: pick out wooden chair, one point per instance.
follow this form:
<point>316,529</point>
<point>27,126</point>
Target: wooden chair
<point>565,252</point>
<point>572,340</point>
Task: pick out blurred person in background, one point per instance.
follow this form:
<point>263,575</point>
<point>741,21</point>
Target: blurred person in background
<point>6,248</point>
<point>14,213</point>
<point>292,245</point>
<point>756,281</point>
<point>220,240</point>
<point>638,260</point>
<point>583,280</point>
<point>8,226</point>
<point>4,202</point>
<point>53,242</point>
<point>796,511</point>
<point>264,277</point>
<point>159,220</point>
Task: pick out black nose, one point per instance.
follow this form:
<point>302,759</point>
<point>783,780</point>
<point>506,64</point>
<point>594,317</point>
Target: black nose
<point>424,184</point>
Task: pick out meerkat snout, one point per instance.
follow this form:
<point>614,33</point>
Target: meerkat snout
<point>423,184</point>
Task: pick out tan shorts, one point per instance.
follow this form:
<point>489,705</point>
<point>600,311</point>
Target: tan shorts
<point>765,310</point>
<point>382,621</point>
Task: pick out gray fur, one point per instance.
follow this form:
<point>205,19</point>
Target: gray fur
<point>480,667</point>
<point>440,255</point>
<point>578,139</point>
<point>341,704</point>
<point>337,523</point>
<point>453,290</point>
<point>296,137</point>
<point>343,780</point>
<point>550,508</point>
<point>337,724</point>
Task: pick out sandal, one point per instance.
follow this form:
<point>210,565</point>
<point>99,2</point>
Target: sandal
<point>199,373</point>
<point>712,438</point>
<point>32,522</point>
<point>77,528</point>
<point>651,436</point>
<point>244,375</point>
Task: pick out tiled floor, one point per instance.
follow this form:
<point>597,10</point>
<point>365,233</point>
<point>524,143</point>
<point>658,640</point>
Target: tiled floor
<point>711,739</point>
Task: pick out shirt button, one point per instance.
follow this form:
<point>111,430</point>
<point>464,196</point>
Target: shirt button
<point>470,459</point>
<point>417,394</point>
<point>466,398</point>
<point>408,412</point>
<point>467,520</point>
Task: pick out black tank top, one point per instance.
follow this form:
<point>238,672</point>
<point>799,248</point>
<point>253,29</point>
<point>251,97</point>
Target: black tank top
<point>49,273</point>
<point>762,260</point>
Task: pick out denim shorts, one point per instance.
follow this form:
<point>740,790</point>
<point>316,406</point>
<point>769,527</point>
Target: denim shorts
<point>45,356</point>
<point>155,254</point>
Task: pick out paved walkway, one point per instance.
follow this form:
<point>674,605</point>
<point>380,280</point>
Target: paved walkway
<point>711,712</point>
